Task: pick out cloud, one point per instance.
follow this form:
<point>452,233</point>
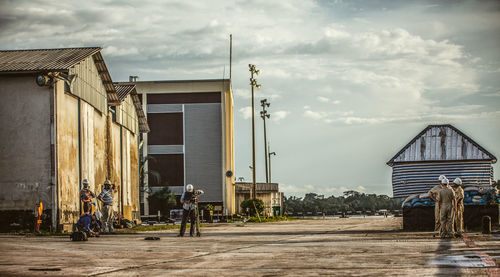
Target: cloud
<point>315,115</point>
<point>277,116</point>
<point>246,112</point>
<point>323,99</point>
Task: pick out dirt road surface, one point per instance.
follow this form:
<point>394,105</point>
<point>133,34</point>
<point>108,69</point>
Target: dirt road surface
<point>332,247</point>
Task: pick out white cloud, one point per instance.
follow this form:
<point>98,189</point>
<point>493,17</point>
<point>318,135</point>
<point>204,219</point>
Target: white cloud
<point>115,51</point>
<point>323,99</point>
<point>246,112</point>
<point>243,94</point>
<point>277,116</point>
<point>336,102</point>
<point>315,115</point>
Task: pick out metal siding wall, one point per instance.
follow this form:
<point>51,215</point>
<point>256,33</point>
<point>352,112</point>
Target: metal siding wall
<point>415,178</point>
<point>203,149</point>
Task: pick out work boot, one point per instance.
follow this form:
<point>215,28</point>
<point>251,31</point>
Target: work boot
<point>179,235</point>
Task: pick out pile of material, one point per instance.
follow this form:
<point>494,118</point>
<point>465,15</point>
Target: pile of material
<point>473,195</point>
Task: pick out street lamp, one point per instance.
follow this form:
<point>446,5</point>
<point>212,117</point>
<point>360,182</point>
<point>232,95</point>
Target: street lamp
<point>253,84</point>
<point>270,153</point>
<point>263,115</point>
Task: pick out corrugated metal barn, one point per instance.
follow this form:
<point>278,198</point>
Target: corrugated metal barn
<point>63,120</point>
<point>440,149</point>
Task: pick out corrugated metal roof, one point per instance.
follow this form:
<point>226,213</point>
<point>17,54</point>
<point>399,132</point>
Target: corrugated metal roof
<point>61,59</point>
<point>43,59</point>
<point>441,143</point>
<point>122,90</point>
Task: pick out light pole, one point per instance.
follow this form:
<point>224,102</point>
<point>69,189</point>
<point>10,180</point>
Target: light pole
<point>253,84</point>
<point>270,153</point>
<point>263,115</point>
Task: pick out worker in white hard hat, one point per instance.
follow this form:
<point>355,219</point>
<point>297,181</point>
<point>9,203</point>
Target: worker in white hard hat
<point>86,196</point>
<point>187,200</point>
<point>458,220</point>
<point>446,198</point>
<point>433,195</point>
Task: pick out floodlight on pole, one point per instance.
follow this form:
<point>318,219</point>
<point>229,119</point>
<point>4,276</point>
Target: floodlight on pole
<point>263,115</point>
<point>253,84</point>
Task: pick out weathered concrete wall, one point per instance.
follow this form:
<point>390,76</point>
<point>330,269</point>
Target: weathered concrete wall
<point>228,148</point>
<point>134,176</point>
<point>115,167</point>
<point>25,159</point>
<point>67,158</point>
<point>93,146</point>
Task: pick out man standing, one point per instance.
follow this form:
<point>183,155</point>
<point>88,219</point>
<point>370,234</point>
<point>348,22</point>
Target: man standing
<point>459,207</point>
<point>86,196</point>
<point>188,210</point>
<point>433,193</point>
<point>446,198</point>
<point>106,197</point>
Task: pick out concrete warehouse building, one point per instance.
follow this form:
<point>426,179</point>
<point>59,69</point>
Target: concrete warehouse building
<point>436,150</point>
<point>267,192</point>
<point>63,120</point>
<point>191,139</point>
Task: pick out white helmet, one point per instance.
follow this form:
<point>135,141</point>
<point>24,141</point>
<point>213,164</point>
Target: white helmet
<point>441,177</point>
<point>189,188</point>
<point>445,181</point>
<point>457,181</point>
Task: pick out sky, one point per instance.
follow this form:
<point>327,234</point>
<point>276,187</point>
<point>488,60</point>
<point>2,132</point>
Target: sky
<point>350,82</point>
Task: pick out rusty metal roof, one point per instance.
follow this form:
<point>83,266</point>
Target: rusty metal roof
<point>61,59</point>
<point>34,60</point>
<point>441,143</point>
<point>122,90</point>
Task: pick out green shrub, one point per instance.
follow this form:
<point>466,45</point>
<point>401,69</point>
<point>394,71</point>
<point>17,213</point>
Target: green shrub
<point>248,205</point>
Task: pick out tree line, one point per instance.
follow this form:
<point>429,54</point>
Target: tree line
<point>350,201</point>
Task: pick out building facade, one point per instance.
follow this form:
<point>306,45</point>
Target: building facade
<point>191,139</point>
<point>58,128</point>
<point>267,192</point>
<point>440,150</point>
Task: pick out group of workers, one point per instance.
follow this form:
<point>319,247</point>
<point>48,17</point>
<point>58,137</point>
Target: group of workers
<point>88,221</point>
<point>449,208</point>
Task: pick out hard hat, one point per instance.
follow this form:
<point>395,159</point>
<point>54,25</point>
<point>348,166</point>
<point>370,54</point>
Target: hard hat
<point>457,181</point>
<point>445,181</point>
<point>441,177</point>
<point>189,188</point>
<point>85,182</point>
<point>107,183</point>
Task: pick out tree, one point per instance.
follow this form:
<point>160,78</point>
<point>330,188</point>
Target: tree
<point>248,205</point>
<point>163,199</point>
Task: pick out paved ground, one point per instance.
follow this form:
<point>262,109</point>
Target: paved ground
<point>343,247</point>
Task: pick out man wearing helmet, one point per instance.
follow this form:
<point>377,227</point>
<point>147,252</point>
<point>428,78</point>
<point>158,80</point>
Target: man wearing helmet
<point>433,195</point>
<point>446,198</point>
<point>106,197</point>
<point>86,196</point>
<point>187,200</point>
<point>459,207</point>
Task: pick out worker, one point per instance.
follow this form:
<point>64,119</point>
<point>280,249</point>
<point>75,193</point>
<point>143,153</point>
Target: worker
<point>446,198</point>
<point>106,197</point>
<point>433,195</point>
<point>86,196</point>
<point>188,210</point>
<point>84,225</point>
<point>459,207</point>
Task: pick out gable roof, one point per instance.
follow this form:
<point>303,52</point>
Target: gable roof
<point>441,143</point>
<point>122,91</point>
<point>34,60</point>
<point>60,59</point>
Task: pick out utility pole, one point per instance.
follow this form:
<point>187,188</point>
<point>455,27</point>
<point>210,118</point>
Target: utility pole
<point>263,115</point>
<point>270,153</point>
<point>253,84</point>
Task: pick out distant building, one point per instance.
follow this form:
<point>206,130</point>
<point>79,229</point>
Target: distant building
<point>437,150</point>
<point>63,120</point>
<point>191,139</point>
<point>267,192</point>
